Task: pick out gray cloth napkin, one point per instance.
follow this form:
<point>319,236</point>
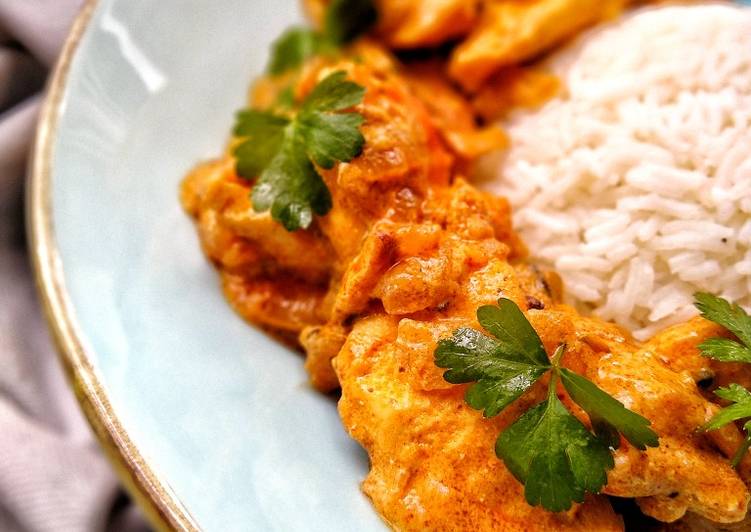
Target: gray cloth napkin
<point>53,477</point>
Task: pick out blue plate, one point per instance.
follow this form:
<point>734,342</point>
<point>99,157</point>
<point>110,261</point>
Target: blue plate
<point>212,423</point>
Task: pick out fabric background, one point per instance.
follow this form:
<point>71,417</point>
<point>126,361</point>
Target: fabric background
<point>52,475</point>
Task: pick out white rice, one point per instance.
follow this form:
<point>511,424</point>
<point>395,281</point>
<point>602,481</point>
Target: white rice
<point>635,184</point>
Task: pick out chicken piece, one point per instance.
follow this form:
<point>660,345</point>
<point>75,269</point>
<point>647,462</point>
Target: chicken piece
<point>432,460</point>
<point>281,279</point>
<point>682,341</point>
<point>678,348</point>
<point>321,344</point>
<point>406,255</point>
<point>513,88</point>
<point>422,23</point>
<point>451,113</point>
<point>272,277</point>
<point>389,380</point>
<point>685,473</point>
<point>433,465</point>
<point>492,34</point>
<point>288,281</point>
<point>221,202</point>
<point>415,23</point>
<point>404,155</point>
<point>512,31</point>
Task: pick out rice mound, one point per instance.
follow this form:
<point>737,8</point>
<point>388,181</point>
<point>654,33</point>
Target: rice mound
<point>635,183</point>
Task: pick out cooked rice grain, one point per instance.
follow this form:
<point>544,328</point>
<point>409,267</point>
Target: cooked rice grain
<point>635,184</point>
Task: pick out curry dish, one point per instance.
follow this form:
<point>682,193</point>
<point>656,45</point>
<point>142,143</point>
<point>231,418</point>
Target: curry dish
<point>410,249</point>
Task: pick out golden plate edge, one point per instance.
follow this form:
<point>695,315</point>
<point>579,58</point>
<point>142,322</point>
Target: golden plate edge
<point>159,503</point>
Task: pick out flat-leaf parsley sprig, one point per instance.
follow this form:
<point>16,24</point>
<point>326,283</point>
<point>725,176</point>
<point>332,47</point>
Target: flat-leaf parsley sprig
<point>281,150</point>
<point>343,21</point>
<point>547,449</point>
<point>732,317</point>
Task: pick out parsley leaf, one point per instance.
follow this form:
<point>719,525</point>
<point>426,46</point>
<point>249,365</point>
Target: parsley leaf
<point>722,312</point>
<point>547,449</point>
<point>504,368</point>
<point>285,100</point>
<point>608,415</point>
<point>330,137</point>
<point>501,377</point>
<point>508,323</point>
<point>293,47</point>
<point>737,321</point>
<point>343,21</point>
<point>556,458</point>
<point>264,134</point>
<point>280,150</point>
<point>741,407</point>
<point>725,350</point>
<point>734,393</point>
<point>291,187</point>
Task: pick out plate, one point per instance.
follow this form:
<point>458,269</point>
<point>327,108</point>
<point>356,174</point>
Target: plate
<point>211,424</point>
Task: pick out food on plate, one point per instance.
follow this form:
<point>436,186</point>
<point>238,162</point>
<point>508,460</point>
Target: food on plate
<point>634,182</point>
<point>341,217</point>
<point>514,88</point>
<point>493,34</point>
<point>510,32</point>
<point>416,23</point>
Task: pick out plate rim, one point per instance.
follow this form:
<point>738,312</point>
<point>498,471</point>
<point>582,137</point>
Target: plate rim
<point>160,504</point>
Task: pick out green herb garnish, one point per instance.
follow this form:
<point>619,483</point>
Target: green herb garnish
<point>547,449</point>
<point>343,21</point>
<point>740,409</point>
<point>294,47</point>
<point>554,455</point>
<point>281,150</point>
<point>737,321</point>
<point>734,319</point>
